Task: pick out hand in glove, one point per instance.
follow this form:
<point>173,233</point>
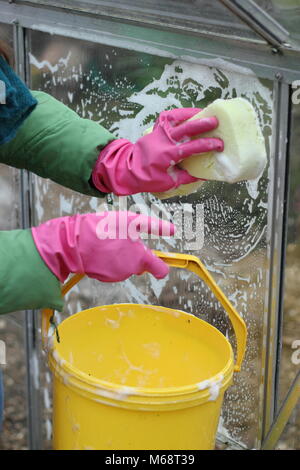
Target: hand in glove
<point>150,165</point>
<point>105,246</point>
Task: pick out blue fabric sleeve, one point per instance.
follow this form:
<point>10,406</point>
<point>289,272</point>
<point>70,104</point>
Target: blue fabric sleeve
<point>16,102</point>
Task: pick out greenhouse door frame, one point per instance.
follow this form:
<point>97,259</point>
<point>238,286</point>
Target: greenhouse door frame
<point>281,65</point>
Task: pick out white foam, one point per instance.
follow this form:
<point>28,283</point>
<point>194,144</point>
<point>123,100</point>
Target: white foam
<point>214,387</point>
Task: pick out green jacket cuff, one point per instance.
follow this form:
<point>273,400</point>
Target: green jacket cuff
<point>56,143</point>
<point>25,280</point>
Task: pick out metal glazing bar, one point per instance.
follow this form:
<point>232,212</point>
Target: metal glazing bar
<point>201,45</point>
<point>276,248</point>
<point>259,21</point>
<point>148,13</point>
<point>31,340</point>
<point>283,416</point>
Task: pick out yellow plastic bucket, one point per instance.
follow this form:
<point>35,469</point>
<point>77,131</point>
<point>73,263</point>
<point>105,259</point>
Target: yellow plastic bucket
<point>130,376</point>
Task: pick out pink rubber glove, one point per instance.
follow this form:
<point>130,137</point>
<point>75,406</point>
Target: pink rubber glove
<point>105,246</point>
<point>150,165</point>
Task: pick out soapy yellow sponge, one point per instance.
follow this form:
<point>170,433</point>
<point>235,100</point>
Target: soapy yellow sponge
<point>244,156</point>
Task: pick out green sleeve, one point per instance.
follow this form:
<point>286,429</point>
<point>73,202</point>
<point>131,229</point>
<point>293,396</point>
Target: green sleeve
<point>25,280</point>
<point>54,142</point>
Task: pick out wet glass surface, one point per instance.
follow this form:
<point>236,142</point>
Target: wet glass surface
<point>225,225</point>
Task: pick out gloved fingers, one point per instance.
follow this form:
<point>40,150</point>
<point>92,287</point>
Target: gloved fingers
<point>183,177</point>
<point>179,114</point>
<point>124,224</point>
<point>154,265</point>
<point>192,128</point>
<point>180,176</point>
<point>202,145</point>
<point>140,223</point>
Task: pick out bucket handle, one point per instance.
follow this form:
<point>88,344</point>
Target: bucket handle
<point>192,263</point>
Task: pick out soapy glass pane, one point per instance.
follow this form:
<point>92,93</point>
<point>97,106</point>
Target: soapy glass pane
<point>14,433</point>
<point>223,224</point>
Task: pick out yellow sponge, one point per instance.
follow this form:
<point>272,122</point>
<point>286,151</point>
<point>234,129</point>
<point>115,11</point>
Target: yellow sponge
<point>244,156</point>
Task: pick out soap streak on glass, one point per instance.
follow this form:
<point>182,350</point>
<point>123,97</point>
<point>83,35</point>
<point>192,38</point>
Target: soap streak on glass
<point>125,91</point>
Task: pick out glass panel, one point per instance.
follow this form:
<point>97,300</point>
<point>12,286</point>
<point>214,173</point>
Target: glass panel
<point>125,91</point>
<point>286,12</point>
<point>202,15</point>
<point>14,434</point>
<point>290,358</point>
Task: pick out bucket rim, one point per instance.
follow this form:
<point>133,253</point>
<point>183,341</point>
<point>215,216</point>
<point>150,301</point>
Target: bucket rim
<point>85,383</point>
